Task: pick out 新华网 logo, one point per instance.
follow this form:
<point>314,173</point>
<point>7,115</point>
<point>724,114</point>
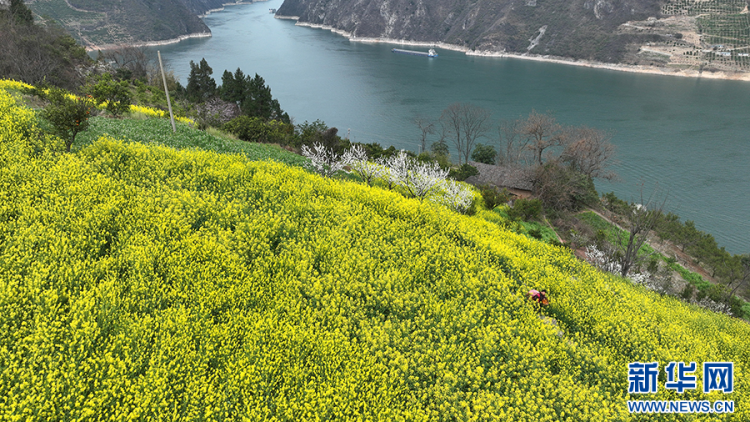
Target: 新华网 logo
<point>680,376</point>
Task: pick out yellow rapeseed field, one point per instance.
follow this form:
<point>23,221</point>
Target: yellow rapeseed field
<point>150,111</point>
<point>144,283</point>
<point>147,111</point>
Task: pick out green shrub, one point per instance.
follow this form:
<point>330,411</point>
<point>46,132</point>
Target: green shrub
<point>556,242</point>
<point>687,292</point>
<point>464,172</point>
<point>615,204</point>
<point>254,129</point>
<point>653,264</point>
<point>318,132</point>
<point>68,115</point>
<point>492,197</point>
<point>115,95</point>
<point>250,129</point>
<point>736,306</point>
<point>440,148</point>
<point>376,151</point>
<point>484,154</point>
<point>526,209</point>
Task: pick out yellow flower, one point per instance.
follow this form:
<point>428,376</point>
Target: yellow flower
<point>11,84</point>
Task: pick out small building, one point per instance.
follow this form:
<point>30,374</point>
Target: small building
<point>517,180</point>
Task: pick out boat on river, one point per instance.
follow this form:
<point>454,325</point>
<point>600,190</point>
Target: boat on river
<point>430,53</point>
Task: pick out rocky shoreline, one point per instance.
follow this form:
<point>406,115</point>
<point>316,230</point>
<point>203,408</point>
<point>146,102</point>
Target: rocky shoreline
<point>149,43</point>
<point>208,12</point>
<point>739,76</point>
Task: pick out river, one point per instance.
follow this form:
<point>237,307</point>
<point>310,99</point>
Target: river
<point>687,137</point>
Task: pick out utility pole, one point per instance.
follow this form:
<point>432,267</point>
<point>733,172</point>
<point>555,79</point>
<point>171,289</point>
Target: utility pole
<point>166,91</point>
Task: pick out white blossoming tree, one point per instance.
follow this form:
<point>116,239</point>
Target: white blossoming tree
<point>602,260</point>
<point>322,160</point>
<point>394,169</point>
<point>456,196</point>
<point>421,179</point>
<point>356,159</point>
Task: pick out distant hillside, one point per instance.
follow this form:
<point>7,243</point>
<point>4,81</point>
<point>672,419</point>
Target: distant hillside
<point>578,28</point>
<point>648,32</point>
<point>102,22</point>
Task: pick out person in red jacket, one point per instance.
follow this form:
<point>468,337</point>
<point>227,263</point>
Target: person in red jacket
<point>540,297</point>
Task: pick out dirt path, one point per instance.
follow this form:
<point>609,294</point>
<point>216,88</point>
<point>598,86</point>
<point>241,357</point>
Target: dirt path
<point>668,249</point>
<point>77,9</point>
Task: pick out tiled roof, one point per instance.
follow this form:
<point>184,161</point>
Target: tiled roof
<point>504,177</point>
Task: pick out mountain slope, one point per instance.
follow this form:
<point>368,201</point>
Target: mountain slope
<point>681,35</point>
<point>577,28</point>
<point>103,22</point>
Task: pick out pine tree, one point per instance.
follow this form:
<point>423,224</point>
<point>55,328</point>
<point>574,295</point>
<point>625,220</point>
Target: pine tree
<point>201,86</point>
<point>232,88</point>
<point>260,103</point>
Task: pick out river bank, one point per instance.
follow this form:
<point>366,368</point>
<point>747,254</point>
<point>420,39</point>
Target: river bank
<point>95,47</point>
<point>208,12</point>
<point>737,76</point>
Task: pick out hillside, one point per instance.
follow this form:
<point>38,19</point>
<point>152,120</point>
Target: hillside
<point>679,34</point>
<point>102,22</point>
<point>139,281</point>
<point>580,29</point>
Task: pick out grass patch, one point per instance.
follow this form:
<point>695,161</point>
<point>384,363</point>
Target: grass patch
<point>613,234</point>
<point>532,229</point>
<point>159,132</point>
<point>689,276</point>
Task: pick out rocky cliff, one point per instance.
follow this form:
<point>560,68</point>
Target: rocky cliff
<point>582,29</point>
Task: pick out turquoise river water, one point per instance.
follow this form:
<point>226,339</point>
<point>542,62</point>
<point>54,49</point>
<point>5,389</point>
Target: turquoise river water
<point>688,137</point>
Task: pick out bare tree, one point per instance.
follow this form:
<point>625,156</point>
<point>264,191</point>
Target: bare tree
<point>590,152</point>
<point>559,188</point>
<point>641,219</point>
<point>542,132</point>
<point>463,124</point>
<point>131,59</point>
<point>740,274</point>
<point>514,147</point>
<point>426,127</point>
<point>217,112</point>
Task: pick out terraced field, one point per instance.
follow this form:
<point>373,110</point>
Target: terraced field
<point>723,31</point>
<point>100,23</point>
